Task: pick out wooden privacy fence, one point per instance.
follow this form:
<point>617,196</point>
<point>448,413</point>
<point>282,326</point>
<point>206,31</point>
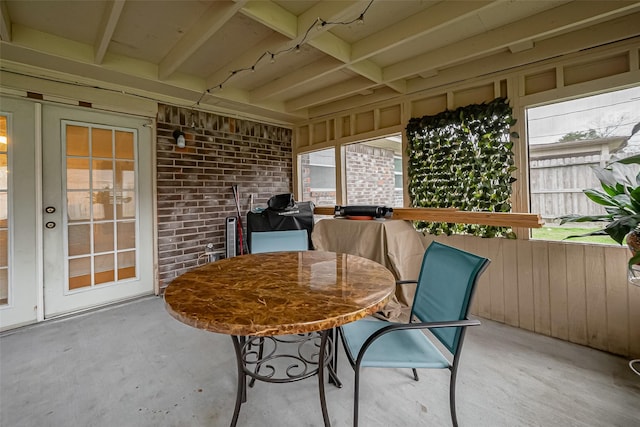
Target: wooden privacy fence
<point>557,184</point>
<point>558,172</point>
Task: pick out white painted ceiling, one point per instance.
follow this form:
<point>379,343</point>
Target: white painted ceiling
<point>200,53</point>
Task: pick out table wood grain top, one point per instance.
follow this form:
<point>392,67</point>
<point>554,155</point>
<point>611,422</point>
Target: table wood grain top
<point>279,293</point>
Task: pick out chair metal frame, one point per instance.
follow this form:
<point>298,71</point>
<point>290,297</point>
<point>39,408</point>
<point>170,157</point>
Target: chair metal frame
<point>273,241</point>
<point>284,241</point>
<point>455,350</point>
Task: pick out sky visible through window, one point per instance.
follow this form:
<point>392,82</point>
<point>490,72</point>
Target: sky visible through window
<point>609,114</point>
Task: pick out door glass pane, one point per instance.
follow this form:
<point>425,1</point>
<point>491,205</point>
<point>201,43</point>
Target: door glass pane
<point>103,237</point>
<point>103,182</point>
<point>4,212</point>
<point>78,205</point>
<point>4,258</point>
<point>4,286</point>
<point>126,265</point>
<point>3,167</point>
<point>4,217</point>
<point>126,235</point>
<point>125,180</point>
<point>104,269</point>
<point>79,239</point>
<point>79,273</point>
<point>102,207</point>
<point>125,175</point>
<point>102,177</point>
<point>101,192</point>
<point>77,174</point>
<point>124,145</point>
<point>77,141</point>
<point>127,205</point>
<point>102,143</point>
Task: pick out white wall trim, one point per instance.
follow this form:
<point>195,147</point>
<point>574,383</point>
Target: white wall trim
<point>39,220</point>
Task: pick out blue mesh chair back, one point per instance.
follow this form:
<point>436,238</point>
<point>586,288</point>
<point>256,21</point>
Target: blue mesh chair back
<point>444,289</point>
<point>279,241</point>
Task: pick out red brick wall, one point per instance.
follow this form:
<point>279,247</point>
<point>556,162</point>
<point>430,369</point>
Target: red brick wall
<point>370,177</point>
<point>194,192</point>
<point>369,174</point>
<point>319,198</point>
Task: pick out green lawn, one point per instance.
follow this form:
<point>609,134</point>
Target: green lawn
<point>559,233</point>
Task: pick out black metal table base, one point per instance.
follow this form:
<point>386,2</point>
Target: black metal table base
<point>267,359</point>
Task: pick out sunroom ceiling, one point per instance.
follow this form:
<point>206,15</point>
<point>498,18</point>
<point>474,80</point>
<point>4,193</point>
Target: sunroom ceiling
<point>200,53</point>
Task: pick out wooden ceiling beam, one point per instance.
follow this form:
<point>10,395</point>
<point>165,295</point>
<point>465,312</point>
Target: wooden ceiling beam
<point>419,25</point>
<point>300,77</point>
<point>218,14</point>
<point>542,25</point>
<point>337,48</point>
<point>330,11</point>
<point>66,57</point>
<point>336,91</point>
<point>246,59</point>
<point>354,101</point>
<point>621,28</point>
<point>280,20</point>
<point>272,16</point>
<point>107,27</point>
<point>391,38</point>
<point>5,22</point>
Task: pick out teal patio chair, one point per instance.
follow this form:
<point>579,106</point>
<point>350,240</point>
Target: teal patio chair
<point>279,241</point>
<point>276,241</point>
<point>447,279</point>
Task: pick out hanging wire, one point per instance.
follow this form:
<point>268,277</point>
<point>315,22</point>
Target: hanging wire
<point>318,22</point>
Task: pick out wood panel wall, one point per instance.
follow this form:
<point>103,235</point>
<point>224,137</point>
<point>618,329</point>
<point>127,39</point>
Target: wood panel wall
<point>571,291</point>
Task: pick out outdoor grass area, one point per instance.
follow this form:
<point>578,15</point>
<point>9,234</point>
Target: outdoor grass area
<point>559,233</point>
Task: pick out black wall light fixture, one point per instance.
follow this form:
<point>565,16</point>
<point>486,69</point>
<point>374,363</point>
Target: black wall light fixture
<point>178,135</point>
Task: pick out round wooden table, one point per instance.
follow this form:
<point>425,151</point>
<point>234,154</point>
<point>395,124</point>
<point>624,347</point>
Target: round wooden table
<point>258,298</point>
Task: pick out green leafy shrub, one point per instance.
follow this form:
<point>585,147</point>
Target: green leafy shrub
<point>463,159</point>
<point>620,196</point>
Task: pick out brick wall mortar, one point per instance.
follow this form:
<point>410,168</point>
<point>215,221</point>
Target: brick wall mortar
<point>194,195</point>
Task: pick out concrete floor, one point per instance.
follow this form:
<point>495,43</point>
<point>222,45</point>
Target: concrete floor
<point>134,365</point>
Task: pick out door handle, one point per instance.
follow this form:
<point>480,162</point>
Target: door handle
<point>50,225</point>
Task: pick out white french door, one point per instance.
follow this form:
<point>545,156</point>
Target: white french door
<point>97,233</point>
<point>19,239</point>
<point>76,219</point>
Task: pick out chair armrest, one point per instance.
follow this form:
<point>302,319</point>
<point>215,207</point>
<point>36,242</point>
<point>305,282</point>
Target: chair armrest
<point>445,324</point>
<point>419,325</point>
<point>404,282</point>
<point>426,325</point>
